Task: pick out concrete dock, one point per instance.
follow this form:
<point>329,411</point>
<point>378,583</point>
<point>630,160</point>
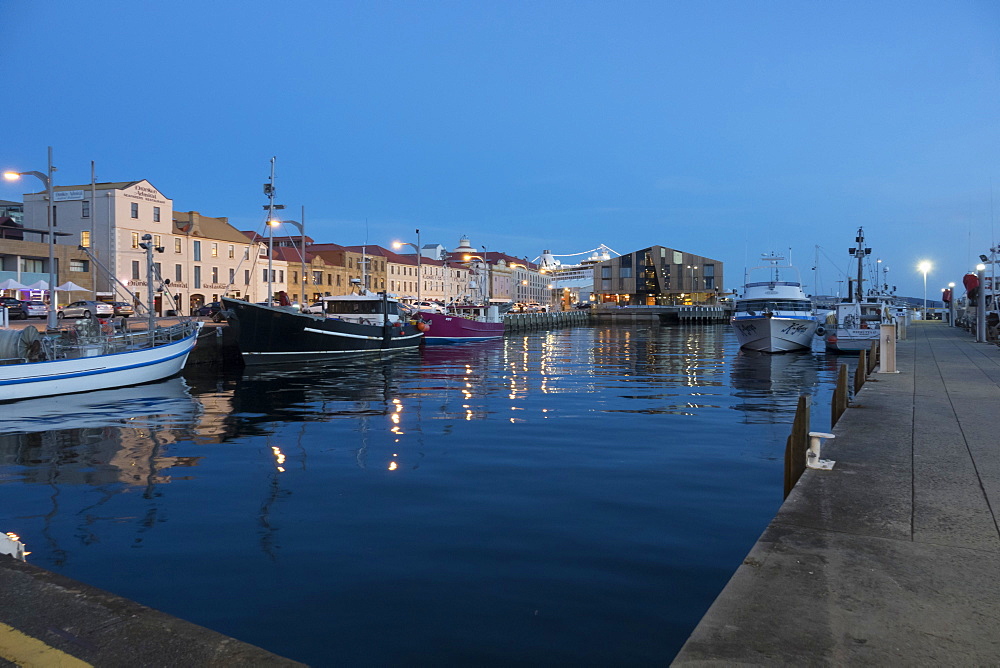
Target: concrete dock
<point>893,557</point>
<point>49,620</point>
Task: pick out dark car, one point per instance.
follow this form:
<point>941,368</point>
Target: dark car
<point>15,308</point>
<point>213,310</point>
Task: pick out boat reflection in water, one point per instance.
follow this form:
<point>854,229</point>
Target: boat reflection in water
<point>768,386</point>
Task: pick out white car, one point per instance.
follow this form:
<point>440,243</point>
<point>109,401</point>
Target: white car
<point>432,307</point>
<point>86,309</point>
<point>315,308</point>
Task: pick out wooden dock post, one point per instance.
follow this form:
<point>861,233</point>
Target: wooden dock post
<point>859,372</point>
<point>839,403</point>
<point>796,445</point>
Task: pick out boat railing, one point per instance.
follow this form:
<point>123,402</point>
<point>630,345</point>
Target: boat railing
<point>91,339</point>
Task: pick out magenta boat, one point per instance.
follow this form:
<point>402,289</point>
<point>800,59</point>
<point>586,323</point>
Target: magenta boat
<point>463,323</point>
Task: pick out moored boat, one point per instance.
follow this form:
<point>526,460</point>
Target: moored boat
<point>856,324</point>
<point>464,322</point>
<point>349,324</point>
<point>774,315</point>
<point>90,356</point>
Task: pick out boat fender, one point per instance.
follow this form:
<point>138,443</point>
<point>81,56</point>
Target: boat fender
<point>821,330</point>
<point>422,326</point>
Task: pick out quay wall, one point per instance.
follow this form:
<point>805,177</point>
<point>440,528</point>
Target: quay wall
<point>49,619</point>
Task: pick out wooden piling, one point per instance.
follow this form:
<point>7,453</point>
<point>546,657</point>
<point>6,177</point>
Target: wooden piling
<point>839,403</point>
<point>860,372</point>
<point>873,357</point>
<point>796,445</point>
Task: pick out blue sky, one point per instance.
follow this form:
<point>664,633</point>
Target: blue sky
<point>726,129</point>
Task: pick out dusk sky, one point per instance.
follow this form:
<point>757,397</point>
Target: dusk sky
<point>726,129</point>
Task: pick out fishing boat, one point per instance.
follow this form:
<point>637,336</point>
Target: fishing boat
<point>464,322</point>
<point>363,322</point>
<point>856,323</point>
<point>93,354</point>
<point>774,315</point>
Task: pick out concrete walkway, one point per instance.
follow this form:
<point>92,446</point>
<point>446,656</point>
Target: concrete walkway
<point>894,556</point>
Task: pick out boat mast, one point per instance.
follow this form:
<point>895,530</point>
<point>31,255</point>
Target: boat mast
<point>860,252</point>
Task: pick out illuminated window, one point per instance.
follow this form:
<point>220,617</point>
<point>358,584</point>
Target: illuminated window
<point>135,240</point>
<point>177,245</point>
<point>85,238</point>
<point>232,251</point>
<point>215,250</point>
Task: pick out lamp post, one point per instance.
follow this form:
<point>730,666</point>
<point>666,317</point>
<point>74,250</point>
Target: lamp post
<point>302,231</point>
<point>981,305</point>
<point>489,279</point>
<point>52,322</point>
<point>925,267</point>
<point>951,306</point>
<point>399,244</point>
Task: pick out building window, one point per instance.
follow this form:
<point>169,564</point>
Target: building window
<point>708,273</point>
<point>215,274</point>
<point>197,251</point>
<point>135,270</point>
<point>232,275</point>
<point>85,209</point>
<point>215,250</point>
<point>281,275</point>
<point>197,277</point>
<point>78,265</point>
<point>156,240</point>
<point>55,217</point>
<point>177,245</point>
<point>135,240</point>
<point>178,272</point>
<point>85,238</point>
<point>232,251</point>
<point>246,253</point>
<point>135,209</point>
<point>156,214</point>
<point>295,277</point>
<point>317,278</point>
<point>32,266</point>
<point>338,280</point>
<point>246,276</point>
<point>156,270</point>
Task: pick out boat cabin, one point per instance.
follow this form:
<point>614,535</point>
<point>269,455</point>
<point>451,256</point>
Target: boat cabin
<point>364,308</point>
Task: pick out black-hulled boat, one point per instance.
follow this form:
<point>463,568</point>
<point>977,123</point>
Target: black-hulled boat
<point>349,324</point>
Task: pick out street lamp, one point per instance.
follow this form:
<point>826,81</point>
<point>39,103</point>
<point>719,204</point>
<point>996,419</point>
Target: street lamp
<point>925,267</point>
<point>302,231</point>
<point>489,274</point>
<point>951,305</point>
<point>399,244</point>
<point>52,321</point>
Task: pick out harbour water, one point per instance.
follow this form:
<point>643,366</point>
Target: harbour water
<point>567,497</point>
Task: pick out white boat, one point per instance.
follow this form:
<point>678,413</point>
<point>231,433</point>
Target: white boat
<point>93,354</point>
<point>774,315</point>
<point>90,356</point>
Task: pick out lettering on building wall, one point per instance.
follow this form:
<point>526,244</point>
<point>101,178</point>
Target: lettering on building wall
<point>146,194</point>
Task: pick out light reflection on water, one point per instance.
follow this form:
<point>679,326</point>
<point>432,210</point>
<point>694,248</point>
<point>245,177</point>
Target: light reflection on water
<point>569,496</point>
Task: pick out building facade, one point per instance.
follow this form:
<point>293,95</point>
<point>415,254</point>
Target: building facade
<point>198,259</point>
<point>658,275</point>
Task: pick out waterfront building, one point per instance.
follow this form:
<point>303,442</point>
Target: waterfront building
<point>203,257</point>
<point>27,262</point>
<point>658,275</point>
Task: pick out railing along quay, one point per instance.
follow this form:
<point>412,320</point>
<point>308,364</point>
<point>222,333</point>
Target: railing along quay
<point>542,320</point>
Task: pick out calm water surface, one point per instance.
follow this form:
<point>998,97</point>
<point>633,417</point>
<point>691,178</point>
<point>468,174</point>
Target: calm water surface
<point>578,496</point>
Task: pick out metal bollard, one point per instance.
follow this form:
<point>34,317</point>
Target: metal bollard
<point>812,456</point>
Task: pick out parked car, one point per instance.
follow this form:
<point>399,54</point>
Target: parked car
<point>535,306</point>
<point>15,308</point>
<point>433,307</point>
<point>315,307</point>
<point>208,309</point>
<point>86,309</point>
<point>124,309</point>
<point>36,309</point>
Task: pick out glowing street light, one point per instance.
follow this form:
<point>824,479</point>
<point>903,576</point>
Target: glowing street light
<point>925,267</point>
<point>399,244</point>
<point>52,321</point>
